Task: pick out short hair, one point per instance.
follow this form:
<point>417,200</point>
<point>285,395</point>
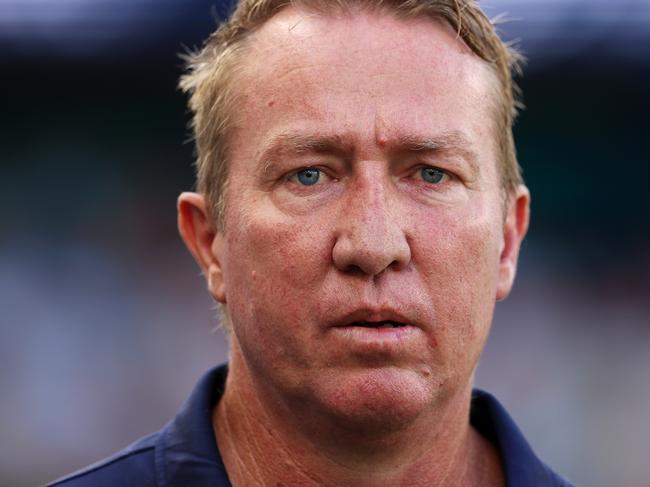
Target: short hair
<point>211,70</point>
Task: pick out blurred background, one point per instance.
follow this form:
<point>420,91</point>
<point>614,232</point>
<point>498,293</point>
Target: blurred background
<point>104,321</point>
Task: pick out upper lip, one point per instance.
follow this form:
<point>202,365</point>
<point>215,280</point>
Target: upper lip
<point>370,315</point>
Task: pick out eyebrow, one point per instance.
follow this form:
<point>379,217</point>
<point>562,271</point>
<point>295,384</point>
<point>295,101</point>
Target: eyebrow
<point>454,143</point>
<point>291,143</point>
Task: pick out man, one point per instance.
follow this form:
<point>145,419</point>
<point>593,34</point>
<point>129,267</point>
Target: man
<point>359,212</point>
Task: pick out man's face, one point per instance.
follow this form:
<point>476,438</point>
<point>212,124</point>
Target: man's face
<point>364,230</point>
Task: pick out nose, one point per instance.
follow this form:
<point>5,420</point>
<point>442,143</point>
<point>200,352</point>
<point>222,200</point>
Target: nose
<point>370,235</point>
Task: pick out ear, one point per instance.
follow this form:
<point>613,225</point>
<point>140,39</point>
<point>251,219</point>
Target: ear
<point>203,241</point>
<point>514,230</point>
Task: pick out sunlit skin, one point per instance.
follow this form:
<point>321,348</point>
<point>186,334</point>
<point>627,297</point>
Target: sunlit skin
<point>363,188</point>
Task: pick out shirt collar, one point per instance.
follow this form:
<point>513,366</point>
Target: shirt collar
<point>186,451</point>
<point>521,465</point>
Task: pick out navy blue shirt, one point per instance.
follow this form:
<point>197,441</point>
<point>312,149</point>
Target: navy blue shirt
<point>184,453</point>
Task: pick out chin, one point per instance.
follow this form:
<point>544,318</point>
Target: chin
<point>376,400</point>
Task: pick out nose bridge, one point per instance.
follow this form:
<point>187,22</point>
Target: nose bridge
<point>371,207</point>
<point>371,234</point>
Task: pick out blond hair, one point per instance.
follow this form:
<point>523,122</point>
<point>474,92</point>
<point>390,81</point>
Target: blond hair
<point>212,95</point>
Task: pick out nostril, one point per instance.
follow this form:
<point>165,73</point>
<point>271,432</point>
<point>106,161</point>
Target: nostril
<point>354,269</point>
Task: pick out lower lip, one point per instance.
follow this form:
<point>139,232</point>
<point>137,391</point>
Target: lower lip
<point>378,337</point>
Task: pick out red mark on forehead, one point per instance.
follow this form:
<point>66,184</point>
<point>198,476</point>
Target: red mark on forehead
<point>381,138</point>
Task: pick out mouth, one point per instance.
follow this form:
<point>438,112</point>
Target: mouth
<point>378,333</point>
<point>369,318</point>
<point>376,337</point>
<point>377,324</point>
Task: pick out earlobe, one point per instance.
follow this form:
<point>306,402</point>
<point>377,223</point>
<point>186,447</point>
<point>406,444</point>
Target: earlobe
<point>202,239</point>
<point>514,231</point>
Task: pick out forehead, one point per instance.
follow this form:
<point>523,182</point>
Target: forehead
<point>362,72</point>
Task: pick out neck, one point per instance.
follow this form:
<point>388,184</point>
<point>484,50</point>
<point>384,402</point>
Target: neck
<point>265,443</point>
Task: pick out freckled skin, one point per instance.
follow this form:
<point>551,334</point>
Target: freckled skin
<point>370,235</point>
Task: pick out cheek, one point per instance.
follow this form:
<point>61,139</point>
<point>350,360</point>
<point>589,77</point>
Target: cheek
<point>458,258</point>
<point>275,269</point>
<point>290,256</point>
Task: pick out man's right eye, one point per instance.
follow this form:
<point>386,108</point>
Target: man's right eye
<point>307,177</point>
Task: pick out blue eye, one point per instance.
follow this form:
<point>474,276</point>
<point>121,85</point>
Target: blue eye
<point>309,176</point>
<point>432,175</point>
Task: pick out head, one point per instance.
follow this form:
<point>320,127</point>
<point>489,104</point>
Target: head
<point>359,238</point>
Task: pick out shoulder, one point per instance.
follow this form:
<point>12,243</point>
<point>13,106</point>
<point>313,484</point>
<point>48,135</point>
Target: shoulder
<point>132,466</point>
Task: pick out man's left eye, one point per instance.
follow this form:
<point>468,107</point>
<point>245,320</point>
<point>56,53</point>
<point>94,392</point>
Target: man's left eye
<point>308,176</point>
<point>432,175</point>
